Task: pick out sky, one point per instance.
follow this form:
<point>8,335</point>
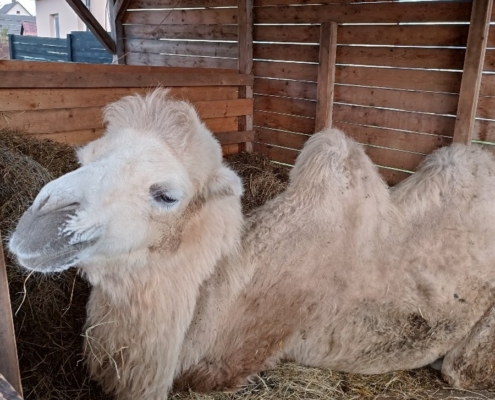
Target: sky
<point>27,4</point>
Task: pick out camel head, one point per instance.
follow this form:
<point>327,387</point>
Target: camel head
<point>155,177</point>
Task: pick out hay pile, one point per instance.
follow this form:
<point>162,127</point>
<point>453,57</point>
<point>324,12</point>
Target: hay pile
<point>50,311</point>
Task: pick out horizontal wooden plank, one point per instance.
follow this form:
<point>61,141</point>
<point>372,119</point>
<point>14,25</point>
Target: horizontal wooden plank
<point>287,33</point>
<point>484,130</point>
<point>487,85</point>
<point>405,57</point>
<point>407,100</point>
<point>206,17</point>
<point>45,99</point>
<point>284,70</point>
<point>288,52</point>
<point>12,65</point>
<point>300,90</point>
<point>285,105</point>
<point>281,138</point>
<point>489,64</point>
<point>204,32</point>
<point>279,154</point>
<point>284,122</point>
<point>71,119</point>
<point>157,4</point>
<point>210,49</point>
<point>433,81</point>
<point>28,79</point>
<point>136,58</point>
<point>404,35</point>
<point>486,107</point>
<point>230,149</point>
<point>81,137</point>
<point>387,12</point>
<point>393,139</point>
<point>414,122</point>
<point>393,177</point>
<point>78,137</point>
<point>393,158</point>
<point>234,137</point>
<point>262,3</point>
<point>224,108</point>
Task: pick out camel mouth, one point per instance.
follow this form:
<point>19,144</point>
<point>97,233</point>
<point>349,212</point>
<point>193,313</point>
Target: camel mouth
<point>57,260</point>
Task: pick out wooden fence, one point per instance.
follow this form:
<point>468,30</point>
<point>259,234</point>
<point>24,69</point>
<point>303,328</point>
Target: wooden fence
<point>397,69</point>
<point>63,102</point>
<point>77,47</point>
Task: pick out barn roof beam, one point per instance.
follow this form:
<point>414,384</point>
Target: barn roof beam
<point>94,26</point>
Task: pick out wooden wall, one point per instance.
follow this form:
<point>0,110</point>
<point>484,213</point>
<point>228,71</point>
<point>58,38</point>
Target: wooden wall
<point>397,79</point>
<point>64,101</point>
<point>181,33</point>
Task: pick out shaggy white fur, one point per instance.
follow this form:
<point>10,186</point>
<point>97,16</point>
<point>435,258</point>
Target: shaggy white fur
<point>338,271</point>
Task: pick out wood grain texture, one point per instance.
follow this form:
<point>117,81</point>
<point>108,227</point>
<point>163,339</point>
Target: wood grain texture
<point>394,158</point>
<point>287,52</point>
<point>281,138</point>
<point>414,122</point>
<point>204,32</point>
<point>387,12</point>
<point>284,70</point>
<point>298,90</point>
<point>326,75</point>
<point>32,79</point>
<point>136,58</point>
<point>214,16</point>
<point>45,99</point>
<point>285,105</point>
<point>209,49</point>
<point>284,122</point>
<point>425,80</point>
<point>473,67</point>
<point>9,365</point>
<point>156,4</point>
<point>486,108</point>
<point>404,35</point>
<point>484,130</point>
<point>408,141</point>
<point>407,100</point>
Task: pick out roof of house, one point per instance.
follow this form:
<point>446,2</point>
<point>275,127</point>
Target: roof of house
<point>14,23</point>
<point>7,7</point>
<point>29,28</point>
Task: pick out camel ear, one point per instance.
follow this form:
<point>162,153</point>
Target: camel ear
<point>225,182</point>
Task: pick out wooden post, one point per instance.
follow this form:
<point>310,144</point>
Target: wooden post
<point>473,69</point>
<point>245,49</point>
<point>9,364</point>
<point>117,12</point>
<point>92,23</point>
<point>11,47</point>
<point>326,75</point>
<point>70,57</point>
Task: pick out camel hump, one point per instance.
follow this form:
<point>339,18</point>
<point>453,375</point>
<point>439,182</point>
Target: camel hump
<point>330,156</point>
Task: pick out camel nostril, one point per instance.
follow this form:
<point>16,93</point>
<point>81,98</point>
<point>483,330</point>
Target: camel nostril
<point>60,207</point>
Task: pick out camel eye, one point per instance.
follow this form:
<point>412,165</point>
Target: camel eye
<point>164,196</point>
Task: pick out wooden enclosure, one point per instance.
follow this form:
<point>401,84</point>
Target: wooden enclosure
<point>64,101</point>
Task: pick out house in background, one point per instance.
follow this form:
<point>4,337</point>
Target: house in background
<point>16,20</point>
<point>14,8</point>
<point>55,18</point>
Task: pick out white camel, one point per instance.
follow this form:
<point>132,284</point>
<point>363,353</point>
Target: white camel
<point>339,271</point>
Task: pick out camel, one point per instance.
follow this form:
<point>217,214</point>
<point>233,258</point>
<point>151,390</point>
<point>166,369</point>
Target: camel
<point>339,271</point>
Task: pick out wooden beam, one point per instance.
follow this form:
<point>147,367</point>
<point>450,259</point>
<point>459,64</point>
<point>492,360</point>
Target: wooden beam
<point>94,26</point>
<point>245,48</point>
<point>9,364</point>
<point>473,69</point>
<point>326,75</point>
<point>117,12</point>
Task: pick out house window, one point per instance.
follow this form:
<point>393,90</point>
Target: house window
<point>17,12</point>
<point>55,25</point>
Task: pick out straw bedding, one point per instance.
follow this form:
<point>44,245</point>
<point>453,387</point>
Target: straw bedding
<point>50,311</point>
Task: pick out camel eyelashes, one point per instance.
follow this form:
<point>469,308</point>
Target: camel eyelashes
<point>164,196</point>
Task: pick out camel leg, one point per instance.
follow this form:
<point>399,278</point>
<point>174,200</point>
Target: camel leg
<point>471,364</point>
